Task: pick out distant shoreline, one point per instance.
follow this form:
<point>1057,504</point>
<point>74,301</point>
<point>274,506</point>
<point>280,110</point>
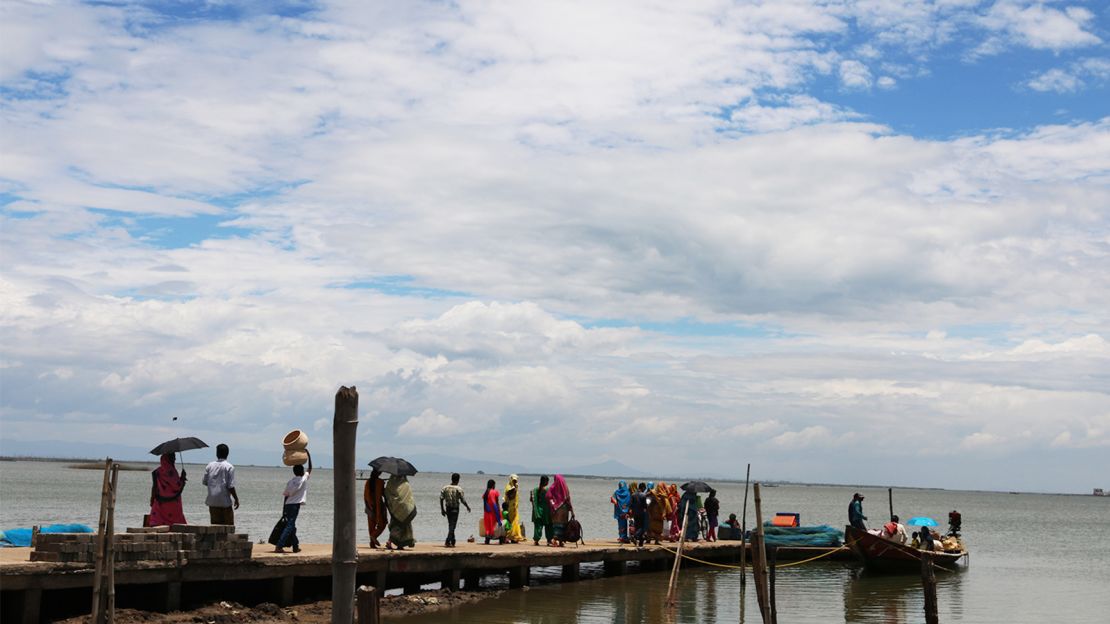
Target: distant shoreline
<point>765,483</point>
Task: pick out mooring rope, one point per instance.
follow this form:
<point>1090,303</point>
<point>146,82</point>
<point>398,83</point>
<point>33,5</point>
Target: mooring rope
<point>736,567</point>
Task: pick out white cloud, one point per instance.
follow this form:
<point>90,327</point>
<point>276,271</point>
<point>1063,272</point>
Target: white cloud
<point>855,75</point>
<point>815,436</point>
<point>1040,26</point>
<point>430,424</point>
<point>1074,77</point>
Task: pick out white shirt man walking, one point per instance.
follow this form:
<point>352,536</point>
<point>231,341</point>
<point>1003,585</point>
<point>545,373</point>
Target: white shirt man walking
<point>219,476</point>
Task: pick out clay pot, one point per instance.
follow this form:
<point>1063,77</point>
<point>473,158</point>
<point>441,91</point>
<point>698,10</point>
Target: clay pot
<point>295,440</point>
<point>294,458</point>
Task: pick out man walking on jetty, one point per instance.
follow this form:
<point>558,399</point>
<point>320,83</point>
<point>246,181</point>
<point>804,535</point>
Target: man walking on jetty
<point>219,476</point>
<point>855,512</point>
<point>295,493</point>
<point>449,498</point>
<point>638,509</point>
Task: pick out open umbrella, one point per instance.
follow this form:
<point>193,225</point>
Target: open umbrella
<point>394,466</point>
<point>922,521</point>
<point>177,445</point>
<point>696,486</point>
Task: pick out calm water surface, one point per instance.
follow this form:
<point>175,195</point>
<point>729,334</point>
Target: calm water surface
<point>1035,558</point>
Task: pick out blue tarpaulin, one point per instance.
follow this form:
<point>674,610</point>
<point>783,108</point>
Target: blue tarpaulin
<point>823,535</point>
<point>22,536</point>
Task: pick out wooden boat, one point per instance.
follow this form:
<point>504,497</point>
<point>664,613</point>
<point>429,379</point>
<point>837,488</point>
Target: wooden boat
<point>879,553</point>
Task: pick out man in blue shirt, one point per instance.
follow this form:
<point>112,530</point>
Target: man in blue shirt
<point>855,512</point>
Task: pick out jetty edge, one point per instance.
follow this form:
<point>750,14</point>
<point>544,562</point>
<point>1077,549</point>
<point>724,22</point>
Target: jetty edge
<point>34,591</point>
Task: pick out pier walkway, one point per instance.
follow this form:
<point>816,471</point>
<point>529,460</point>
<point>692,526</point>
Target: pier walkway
<point>40,591</point>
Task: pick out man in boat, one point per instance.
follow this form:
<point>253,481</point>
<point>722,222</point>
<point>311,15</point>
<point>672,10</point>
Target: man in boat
<point>954,522</point>
<point>855,512</point>
<point>895,530</point>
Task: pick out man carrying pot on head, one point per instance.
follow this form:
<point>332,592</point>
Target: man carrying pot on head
<point>295,492</point>
<point>219,476</point>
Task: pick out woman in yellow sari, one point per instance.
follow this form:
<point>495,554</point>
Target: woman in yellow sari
<point>514,532</point>
<point>659,511</point>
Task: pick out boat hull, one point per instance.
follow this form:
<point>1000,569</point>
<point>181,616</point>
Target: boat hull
<point>879,553</point>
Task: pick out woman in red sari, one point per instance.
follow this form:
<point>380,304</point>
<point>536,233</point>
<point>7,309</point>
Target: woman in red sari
<point>374,497</point>
<point>165,494</point>
<point>676,525</point>
<point>491,512</point>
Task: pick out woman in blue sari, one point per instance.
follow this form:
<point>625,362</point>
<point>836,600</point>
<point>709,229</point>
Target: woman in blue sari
<point>621,499</point>
<point>689,504</point>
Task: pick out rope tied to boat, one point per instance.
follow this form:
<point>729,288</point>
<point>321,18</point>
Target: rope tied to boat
<point>736,567</point>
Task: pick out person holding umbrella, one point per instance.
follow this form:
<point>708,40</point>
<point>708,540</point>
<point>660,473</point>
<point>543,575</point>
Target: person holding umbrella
<point>165,493</point>
<point>399,500</point>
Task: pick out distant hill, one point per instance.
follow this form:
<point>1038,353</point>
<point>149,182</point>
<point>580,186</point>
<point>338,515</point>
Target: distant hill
<point>431,462</point>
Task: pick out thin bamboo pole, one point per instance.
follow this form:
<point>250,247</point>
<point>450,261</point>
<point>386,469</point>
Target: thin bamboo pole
<point>344,558</point>
<point>743,533</point>
<point>110,548</point>
<point>98,575</point>
<point>744,544</point>
<point>890,499</point>
<point>678,556</point>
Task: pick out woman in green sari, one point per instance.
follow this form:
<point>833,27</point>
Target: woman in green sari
<point>402,510</point>
<point>541,512</point>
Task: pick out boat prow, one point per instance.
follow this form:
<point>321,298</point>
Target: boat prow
<point>879,553</point>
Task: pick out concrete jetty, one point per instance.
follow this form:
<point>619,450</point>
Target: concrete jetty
<point>41,591</point>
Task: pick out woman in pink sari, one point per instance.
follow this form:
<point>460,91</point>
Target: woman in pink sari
<point>558,496</point>
<point>165,494</point>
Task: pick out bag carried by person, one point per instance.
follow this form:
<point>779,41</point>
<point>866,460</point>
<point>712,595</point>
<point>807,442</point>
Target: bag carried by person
<point>572,534</point>
<point>275,534</point>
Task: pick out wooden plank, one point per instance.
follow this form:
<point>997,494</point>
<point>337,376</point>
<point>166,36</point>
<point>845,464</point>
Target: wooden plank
<point>97,612</point>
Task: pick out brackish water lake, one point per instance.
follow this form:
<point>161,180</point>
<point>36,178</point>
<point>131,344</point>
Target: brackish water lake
<point>1034,557</point>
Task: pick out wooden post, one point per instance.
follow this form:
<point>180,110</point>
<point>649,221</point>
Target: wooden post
<point>759,560</point>
<point>97,612</point>
<point>344,555</point>
<point>678,556</point>
<point>774,608</point>
<point>744,543</point>
<point>890,499</point>
<point>929,582</point>
<point>743,532</point>
<point>110,545</point>
<point>369,610</point>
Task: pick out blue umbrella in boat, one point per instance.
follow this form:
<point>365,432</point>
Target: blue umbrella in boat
<point>922,521</point>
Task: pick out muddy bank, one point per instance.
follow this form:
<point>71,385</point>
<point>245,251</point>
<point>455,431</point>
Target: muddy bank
<point>310,613</point>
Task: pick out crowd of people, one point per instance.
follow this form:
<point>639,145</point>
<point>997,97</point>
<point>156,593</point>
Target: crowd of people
<point>645,512</point>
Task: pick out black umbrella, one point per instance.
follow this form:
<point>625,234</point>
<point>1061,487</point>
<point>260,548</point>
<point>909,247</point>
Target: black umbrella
<point>394,466</point>
<point>696,486</point>
<point>177,445</point>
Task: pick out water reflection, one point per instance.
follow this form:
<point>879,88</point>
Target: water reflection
<point>814,594</point>
<point>898,598</point>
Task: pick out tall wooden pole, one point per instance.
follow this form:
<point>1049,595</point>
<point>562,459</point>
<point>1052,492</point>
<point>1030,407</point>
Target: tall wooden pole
<point>929,584</point>
<point>890,499</point>
<point>344,555</point>
<point>101,526</point>
<point>110,547</point>
<point>678,556</point>
<point>759,560</point>
<point>743,533</point>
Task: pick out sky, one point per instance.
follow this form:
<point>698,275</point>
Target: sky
<point>845,241</point>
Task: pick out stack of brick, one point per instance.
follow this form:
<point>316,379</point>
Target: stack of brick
<point>178,543</point>
<point>215,541</point>
<point>81,547</point>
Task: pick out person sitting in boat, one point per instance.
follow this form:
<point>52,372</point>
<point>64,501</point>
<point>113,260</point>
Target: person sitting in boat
<point>894,530</point>
<point>916,543</point>
<point>732,521</point>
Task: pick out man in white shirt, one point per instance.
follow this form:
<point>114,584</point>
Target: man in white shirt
<point>295,494</point>
<point>219,476</point>
<point>895,530</point>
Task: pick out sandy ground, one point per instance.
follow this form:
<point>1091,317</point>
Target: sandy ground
<point>312,613</point>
